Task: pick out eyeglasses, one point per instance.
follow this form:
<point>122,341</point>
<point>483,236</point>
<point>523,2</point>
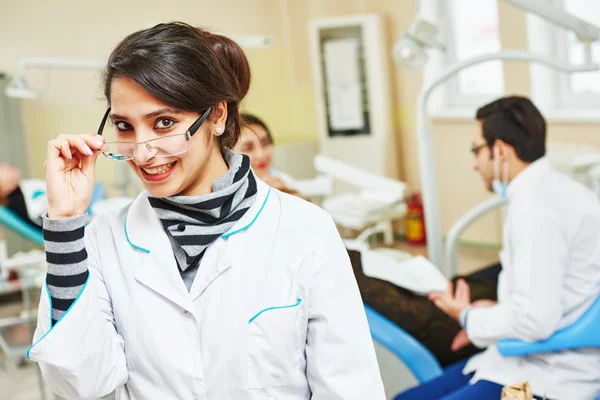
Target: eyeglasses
<point>162,146</point>
<point>476,149</point>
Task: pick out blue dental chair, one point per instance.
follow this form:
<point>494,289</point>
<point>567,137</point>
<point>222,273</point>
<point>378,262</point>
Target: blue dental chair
<point>583,333</point>
<point>14,223</point>
<point>418,359</point>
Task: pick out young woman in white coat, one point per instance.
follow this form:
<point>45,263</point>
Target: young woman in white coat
<point>210,285</point>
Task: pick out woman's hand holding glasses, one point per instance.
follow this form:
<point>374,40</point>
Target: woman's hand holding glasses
<point>70,173</point>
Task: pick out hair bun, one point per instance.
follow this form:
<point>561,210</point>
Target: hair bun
<point>232,59</point>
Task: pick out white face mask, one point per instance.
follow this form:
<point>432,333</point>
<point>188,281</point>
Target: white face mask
<point>497,186</point>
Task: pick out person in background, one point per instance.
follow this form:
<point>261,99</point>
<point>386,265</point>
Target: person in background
<point>257,142</point>
<point>25,197</point>
<point>9,179</point>
<point>550,268</point>
<point>414,313</point>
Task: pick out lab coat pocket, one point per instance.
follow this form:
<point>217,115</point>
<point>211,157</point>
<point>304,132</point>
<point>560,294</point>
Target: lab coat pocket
<point>274,346</point>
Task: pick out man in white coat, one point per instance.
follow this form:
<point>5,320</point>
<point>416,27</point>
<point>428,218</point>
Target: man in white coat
<point>551,268</point>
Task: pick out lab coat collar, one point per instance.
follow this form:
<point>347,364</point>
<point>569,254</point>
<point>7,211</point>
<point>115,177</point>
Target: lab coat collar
<point>156,267</point>
<point>528,177</point>
<point>142,237</point>
<point>219,255</point>
<point>154,264</point>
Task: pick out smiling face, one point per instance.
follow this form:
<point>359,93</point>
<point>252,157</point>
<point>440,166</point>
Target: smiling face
<point>255,143</point>
<point>170,166</point>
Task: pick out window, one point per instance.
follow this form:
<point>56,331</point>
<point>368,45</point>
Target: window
<point>474,25</point>
<point>570,96</point>
<point>587,83</point>
<point>469,28</point>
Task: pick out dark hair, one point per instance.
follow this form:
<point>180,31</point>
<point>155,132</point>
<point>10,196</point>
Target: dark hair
<point>516,121</point>
<point>250,119</point>
<point>185,67</point>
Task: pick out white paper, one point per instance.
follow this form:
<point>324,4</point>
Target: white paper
<point>343,86</point>
<point>416,274</point>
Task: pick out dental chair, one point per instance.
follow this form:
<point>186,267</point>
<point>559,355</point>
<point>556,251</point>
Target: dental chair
<point>378,202</point>
<point>420,361</point>
<point>32,271</point>
<point>583,333</point>
<point>10,325</point>
<point>14,223</point>
<point>10,220</point>
<point>371,210</point>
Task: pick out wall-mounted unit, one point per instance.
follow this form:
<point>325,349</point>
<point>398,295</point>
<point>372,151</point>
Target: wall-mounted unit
<point>350,62</point>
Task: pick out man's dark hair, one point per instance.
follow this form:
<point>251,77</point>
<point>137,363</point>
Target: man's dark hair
<point>516,121</point>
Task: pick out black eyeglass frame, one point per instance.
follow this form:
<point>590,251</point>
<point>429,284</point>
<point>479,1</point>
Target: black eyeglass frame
<point>188,134</point>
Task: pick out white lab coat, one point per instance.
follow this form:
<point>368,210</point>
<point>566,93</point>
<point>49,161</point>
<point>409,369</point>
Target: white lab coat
<point>550,276</point>
<point>274,312</point>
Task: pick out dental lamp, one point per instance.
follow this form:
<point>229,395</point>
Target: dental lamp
<point>410,52</point>
<point>18,87</point>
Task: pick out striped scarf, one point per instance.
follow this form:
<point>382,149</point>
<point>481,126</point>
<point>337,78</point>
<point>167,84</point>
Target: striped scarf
<point>192,223</point>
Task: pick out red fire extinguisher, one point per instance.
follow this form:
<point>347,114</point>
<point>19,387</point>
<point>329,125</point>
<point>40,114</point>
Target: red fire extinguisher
<point>415,220</point>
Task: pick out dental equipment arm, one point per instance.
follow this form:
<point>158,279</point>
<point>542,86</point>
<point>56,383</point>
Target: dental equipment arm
<point>390,190</point>
<point>464,222</point>
<point>425,136</point>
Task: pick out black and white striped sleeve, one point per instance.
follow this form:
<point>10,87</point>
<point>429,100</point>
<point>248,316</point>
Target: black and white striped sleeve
<point>67,261</point>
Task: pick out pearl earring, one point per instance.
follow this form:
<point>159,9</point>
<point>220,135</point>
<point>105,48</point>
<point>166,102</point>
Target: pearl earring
<point>219,129</point>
